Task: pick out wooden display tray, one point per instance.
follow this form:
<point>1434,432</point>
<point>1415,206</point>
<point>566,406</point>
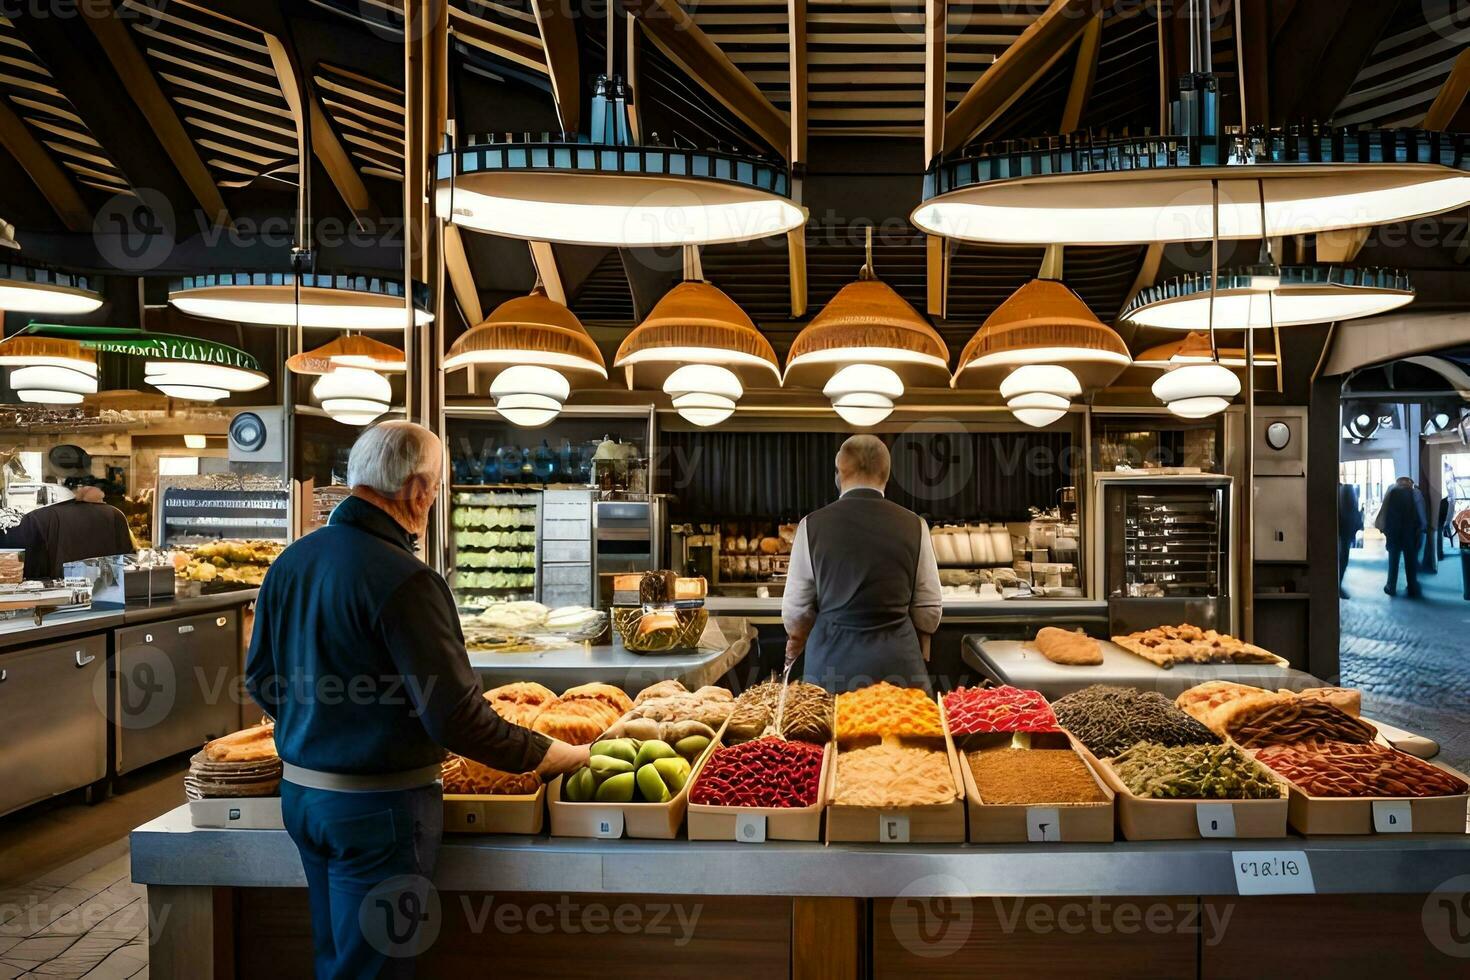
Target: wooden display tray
<point>781,823</point>
<point>935,823</point>
<point>1020,823</point>
<point>645,821</point>
<point>1147,819</point>
<point>468,813</point>
<point>1315,816</point>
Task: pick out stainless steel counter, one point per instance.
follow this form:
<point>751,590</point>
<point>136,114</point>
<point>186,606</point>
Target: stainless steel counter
<point>729,642</point>
<point>955,610</point>
<point>168,851</point>
<point>23,631</point>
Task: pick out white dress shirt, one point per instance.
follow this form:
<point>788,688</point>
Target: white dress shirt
<point>799,602</point>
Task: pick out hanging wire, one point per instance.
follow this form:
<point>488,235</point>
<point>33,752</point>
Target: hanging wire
<point>1214,264</point>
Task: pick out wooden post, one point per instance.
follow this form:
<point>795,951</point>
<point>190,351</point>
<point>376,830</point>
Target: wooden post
<point>828,937</point>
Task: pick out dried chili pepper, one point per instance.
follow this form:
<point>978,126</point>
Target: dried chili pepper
<point>766,772</point>
<point>971,711</point>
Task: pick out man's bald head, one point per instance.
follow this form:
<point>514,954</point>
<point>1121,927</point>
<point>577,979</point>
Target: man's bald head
<point>863,461</point>
<point>89,495</point>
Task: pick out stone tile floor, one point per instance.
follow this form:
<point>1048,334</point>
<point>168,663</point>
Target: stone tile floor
<point>1411,657</point>
<point>84,919</point>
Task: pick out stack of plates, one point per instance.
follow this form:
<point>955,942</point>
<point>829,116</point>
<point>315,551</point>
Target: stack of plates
<point>210,779</point>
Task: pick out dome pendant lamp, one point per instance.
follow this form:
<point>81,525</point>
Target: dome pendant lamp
<point>350,383</point>
<point>602,189</point>
<point>49,371</point>
<point>1084,191</point>
<point>1040,394</point>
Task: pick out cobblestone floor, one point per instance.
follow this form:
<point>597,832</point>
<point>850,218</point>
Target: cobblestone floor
<point>1410,657</point>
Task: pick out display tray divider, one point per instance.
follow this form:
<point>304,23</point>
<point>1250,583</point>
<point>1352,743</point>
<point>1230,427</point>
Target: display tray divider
<point>1317,816</point>
<point>1140,818</point>
<point>708,822</point>
<point>469,813</point>
<point>643,821</point>
<point>934,823</point>
<point>1018,823</point>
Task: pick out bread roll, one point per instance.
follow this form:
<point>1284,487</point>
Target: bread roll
<point>1066,647</point>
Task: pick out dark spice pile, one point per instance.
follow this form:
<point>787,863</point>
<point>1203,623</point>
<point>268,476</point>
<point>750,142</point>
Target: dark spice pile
<point>1109,720</point>
<point>1008,776</point>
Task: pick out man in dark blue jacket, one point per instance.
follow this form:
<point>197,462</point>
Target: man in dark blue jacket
<point>1403,520</point>
<point>358,656</point>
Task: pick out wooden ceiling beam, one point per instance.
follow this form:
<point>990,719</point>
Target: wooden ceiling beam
<point>1021,66</point>
<point>936,105</point>
<point>461,279</point>
<point>1148,274</point>
<point>1450,102</point>
<point>503,42</point>
<point>53,183</point>
<point>796,264</point>
<point>1253,57</point>
<point>544,258</point>
<point>143,88</point>
<point>796,49</point>
<point>559,44</point>
<point>1089,48</point>
<point>681,40</point>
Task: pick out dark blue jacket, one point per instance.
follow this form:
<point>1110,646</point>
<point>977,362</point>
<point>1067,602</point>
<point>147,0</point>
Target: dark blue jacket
<point>1404,517</point>
<point>358,655</point>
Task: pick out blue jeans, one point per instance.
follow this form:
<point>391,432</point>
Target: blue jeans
<point>369,858</point>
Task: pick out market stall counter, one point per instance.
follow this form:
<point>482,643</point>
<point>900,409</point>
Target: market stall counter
<point>232,903</point>
<point>725,645</point>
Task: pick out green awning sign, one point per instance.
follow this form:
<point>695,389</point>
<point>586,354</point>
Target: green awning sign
<point>132,342</point>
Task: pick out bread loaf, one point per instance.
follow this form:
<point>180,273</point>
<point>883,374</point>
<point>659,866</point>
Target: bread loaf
<point>1066,647</point>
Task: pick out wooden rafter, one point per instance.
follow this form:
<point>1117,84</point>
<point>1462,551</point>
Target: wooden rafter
<point>1088,50</point>
<point>681,40</point>
<point>937,254</point>
<point>544,258</point>
<point>796,49</point>
<point>1451,98</point>
<point>796,263</point>
<point>936,103</point>
<point>559,39</point>
<point>1018,69</point>
<point>141,85</point>
<point>44,172</point>
<point>517,48</point>
<point>461,279</point>
<point>1148,273</point>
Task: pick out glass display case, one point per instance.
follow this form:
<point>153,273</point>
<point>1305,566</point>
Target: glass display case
<point>493,545</point>
<point>1166,550</point>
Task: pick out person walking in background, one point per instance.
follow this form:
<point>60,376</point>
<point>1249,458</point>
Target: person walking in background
<point>1403,520</point>
<point>1349,525</point>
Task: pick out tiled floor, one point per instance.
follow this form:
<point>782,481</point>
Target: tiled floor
<point>1410,656</point>
<point>85,919</point>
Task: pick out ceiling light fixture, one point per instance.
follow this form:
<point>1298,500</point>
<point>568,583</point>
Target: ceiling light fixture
<point>352,350</point>
<point>603,190</point>
<point>1300,295</point>
<point>529,330</point>
<point>1040,394</point>
<point>1042,323</point>
<point>704,394</point>
<point>528,395</point>
<point>353,396</point>
<point>24,289</point>
<point>339,302</point>
<point>1194,348</point>
<point>864,394</point>
<point>696,324</point>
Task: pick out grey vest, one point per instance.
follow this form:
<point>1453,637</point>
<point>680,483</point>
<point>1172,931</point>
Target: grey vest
<point>865,556</point>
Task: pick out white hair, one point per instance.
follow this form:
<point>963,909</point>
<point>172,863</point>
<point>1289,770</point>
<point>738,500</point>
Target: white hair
<point>388,455</point>
<point>866,457</point>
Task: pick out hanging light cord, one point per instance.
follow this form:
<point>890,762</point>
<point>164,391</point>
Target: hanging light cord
<point>1214,264</point>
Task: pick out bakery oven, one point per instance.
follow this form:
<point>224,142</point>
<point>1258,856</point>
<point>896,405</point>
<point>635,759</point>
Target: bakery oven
<point>1163,550</point>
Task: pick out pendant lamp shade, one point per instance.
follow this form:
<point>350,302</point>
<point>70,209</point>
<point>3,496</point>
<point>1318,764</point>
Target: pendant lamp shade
<point>704,394</point>
<point>1040,394</point>
<point>696,323</point>
<point>355,351</point>
<point>353,396</point>
<point>528,395</point>
<point>1194,348</point>
<point>1197,390</point>
<point>867,322</point>
<point>1042,323</point>
<point>1252,298</point>
<point>271,299</point>
<point>529,330</point>
<point>28,290</point>
<point>863,394</point>
<point>49,371</point>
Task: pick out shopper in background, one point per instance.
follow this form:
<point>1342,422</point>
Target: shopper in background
<point>1349,526</point>
<point>1403,521</point>
<point>83,527</point>
<point>357,654</point>
<point>1462,537</point>
<point>863,582</point>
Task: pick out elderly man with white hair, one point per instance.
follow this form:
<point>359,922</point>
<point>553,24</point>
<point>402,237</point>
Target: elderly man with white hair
<point>358,656</point>
<point>863,582</point>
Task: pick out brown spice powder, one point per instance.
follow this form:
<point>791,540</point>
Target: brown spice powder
<point>1026,776</point>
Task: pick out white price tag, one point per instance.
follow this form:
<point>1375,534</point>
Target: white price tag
<point>608,824</point>
<point>1273,873</point>
<point>1393,816</point>
<point>1215,819</point>
<point>750,828</point>
<point>1043,823</point>
<point>893,828</point>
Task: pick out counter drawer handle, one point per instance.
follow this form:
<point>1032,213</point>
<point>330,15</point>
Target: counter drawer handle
<point>185,629</point>
<point>82,660</point>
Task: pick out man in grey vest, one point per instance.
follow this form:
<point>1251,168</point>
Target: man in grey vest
<point>863,583</point>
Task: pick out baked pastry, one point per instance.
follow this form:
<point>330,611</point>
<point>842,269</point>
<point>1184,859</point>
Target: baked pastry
<point>1187,644</point>
<point>1066,647</point>
<point>466,776</point>
<point>660,690</point>
<point>520,703</point>
<point>613,697</point>
<point>697,588</point>
<point>578,722</point>
<point>257,744</point>
<point>1345,699</point>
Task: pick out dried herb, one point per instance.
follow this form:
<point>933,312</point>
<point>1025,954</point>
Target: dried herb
<point>1194,772</point>
<point>1110,719</point>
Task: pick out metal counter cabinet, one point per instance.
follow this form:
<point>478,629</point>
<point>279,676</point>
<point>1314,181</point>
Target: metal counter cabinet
<point>52,702</point>
<point>177,686</point>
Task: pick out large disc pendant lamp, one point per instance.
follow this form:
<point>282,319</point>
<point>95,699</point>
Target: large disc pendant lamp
<point>532,332</point>
<point>49,371</point>
<point>606,191</point>
<point>1300,295</point>
<point>351,387</point>
<point>24,289</point>
<point>338,302</point>
<point>1044,322</point>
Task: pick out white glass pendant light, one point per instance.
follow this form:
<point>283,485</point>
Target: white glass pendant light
<point>1257,298</point>
<point>339,302</point>
<point>51,384</point>
<point>863,394</point>
<point>1040,394</point>
<point>704,394</point>
<point>529,395</point>
<point>353,396</point>
<point>199,381</point>
<point>27,290</point>
<point>1197,390</point>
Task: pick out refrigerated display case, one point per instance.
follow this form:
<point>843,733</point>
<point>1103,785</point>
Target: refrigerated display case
<point>493,553</point>
<point>1164,550</point>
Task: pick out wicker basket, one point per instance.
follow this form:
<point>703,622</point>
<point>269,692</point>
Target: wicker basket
<point>692,622</point>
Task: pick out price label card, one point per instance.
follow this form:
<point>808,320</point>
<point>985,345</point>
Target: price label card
<point>1215,819</point>
<point>1393,816</point>
<point>1273,873</point>
<point>1043,823</point>
<point>750,828</point>
<point>608,824</point>
<point>893,828</point>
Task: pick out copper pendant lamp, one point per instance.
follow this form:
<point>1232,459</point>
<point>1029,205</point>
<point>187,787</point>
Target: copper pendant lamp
<point>354,351</point>
<point>1194,348</point>
<point>696,323</point>
<point>1043,322</point>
